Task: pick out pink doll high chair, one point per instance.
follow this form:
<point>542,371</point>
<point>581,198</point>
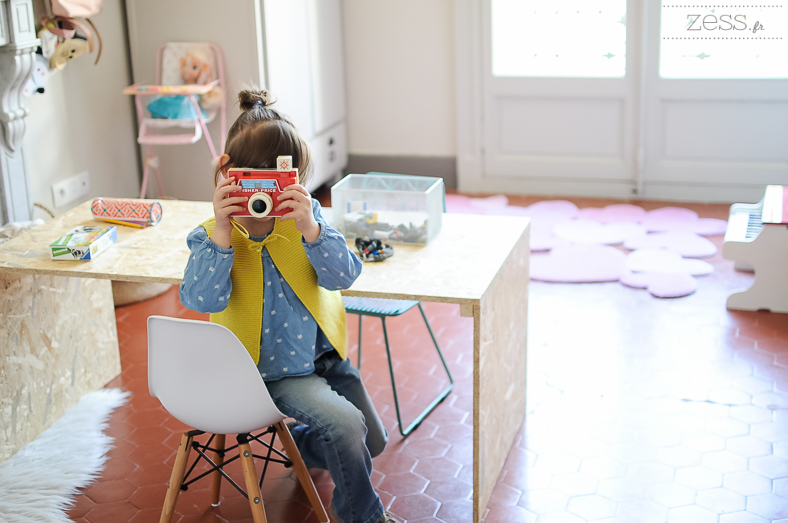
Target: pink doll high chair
<point>193,71</point>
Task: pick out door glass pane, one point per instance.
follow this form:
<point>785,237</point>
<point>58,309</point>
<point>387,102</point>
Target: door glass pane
<point>724,41</point>
<point>559,38</point>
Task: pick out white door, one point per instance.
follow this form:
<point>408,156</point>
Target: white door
<point>560,94</point>
<point>613,98</point>
<point>717,101</point>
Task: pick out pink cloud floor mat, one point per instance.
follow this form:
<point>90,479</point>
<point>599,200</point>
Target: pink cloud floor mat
<point>679,219</point>
<point>579,264</point>
<point>688,244</point>
<point>580,242</point>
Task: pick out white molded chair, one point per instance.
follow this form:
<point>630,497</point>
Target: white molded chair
<point>204,376</point>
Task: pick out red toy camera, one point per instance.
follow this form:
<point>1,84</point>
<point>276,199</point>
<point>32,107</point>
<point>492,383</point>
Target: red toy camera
<point>263,186</point>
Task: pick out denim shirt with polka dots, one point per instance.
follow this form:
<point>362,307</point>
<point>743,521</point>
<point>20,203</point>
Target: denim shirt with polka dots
<point>291,340</point>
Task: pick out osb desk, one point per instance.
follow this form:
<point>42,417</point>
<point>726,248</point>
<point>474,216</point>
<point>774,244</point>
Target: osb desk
<point>477,262</point>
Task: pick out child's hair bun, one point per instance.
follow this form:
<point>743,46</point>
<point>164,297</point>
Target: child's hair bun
<point>248,98</point>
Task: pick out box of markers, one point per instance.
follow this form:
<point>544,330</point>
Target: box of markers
<point>83,242</point>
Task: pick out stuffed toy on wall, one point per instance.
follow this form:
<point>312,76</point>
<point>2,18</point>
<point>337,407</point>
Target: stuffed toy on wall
<point>35,84</point>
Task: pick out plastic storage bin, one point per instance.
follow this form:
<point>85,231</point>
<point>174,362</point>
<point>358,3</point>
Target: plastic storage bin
<point>394,208</point>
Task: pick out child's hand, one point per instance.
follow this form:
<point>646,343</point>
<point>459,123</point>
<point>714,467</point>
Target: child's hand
<point>300,201</point>
<point>222,208</point>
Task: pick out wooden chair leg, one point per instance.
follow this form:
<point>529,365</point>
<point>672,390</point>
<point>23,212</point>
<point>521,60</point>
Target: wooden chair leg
<point>252,487</point>
<point>217,476</point>
<point>176,479</point>
<point>301,471</point>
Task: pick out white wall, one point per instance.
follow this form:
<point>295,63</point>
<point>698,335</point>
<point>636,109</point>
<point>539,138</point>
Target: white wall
<point>82,122</point>
<point>399,62</point>
<point>400,93</point>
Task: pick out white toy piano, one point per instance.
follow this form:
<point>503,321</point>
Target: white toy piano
<point>757,240</point>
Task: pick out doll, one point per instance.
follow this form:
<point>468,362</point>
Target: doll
<point>196,68</point>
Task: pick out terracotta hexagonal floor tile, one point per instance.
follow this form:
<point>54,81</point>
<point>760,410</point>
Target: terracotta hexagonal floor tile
<point>82,505</point>
<point>724,461</point>
<point>671,495</point>
<point>691,514</point>
<point>777,346</point>
<point>721,500</point>
<point>747,483</point>
<point>558,462</point>
<point>769,466</point>
<point>152,454</point>
<point>743,517</point>
<point>543,501</point>
<point>428,448</point>
<point>119,468</point>
<point>641,510</point>
<point>510,515</point>
<point>449,490</point>
<point>458,510</point>
<point>393,462</point>
<point>727,427</point>
<point>603,468</point>
<point>414,505</point>
<point>148,497</point>
<point>149,475</point>
<point>699,478</point>
<point>289,510</point>
<point>110,491</point>
<point>148,516</point>
<point>592,507</point>
<point>769,506</point>
<point>116,512</point>
<point>748,446</point>
<point>403,483</point>
<point>437,468</point>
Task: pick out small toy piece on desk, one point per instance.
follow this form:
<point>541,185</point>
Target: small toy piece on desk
<point>373,250</point>
<point>138,225</point>
<point>83,243</point>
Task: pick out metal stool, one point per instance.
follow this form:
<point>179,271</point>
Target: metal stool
<point>382,308</point>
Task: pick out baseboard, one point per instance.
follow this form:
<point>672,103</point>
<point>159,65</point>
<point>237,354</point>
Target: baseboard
<point>618,189</point>
<point>439,166</point>
<point>705,193</point>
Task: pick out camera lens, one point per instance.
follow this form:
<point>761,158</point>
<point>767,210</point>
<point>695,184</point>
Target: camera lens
<point>259,206</point>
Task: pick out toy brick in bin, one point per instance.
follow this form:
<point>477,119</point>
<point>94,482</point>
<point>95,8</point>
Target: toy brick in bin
<point>127,211</point>
<point>83,243</point>
<point>394,208</point>
<point>373,250</point>
<point>263,187</point>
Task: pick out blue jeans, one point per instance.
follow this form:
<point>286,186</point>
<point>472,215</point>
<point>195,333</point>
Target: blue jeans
<point>342,432</point>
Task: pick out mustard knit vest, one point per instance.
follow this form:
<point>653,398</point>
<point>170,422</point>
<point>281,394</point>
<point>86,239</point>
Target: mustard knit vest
<point>244,312</point>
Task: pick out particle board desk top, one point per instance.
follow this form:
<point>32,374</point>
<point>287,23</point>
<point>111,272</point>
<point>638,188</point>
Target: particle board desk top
<point>456,267</point>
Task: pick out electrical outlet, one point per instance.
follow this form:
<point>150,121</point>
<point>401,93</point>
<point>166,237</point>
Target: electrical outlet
<point>70,189</point>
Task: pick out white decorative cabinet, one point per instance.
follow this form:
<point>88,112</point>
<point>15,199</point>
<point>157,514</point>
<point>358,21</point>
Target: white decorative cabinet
<point>291,47</point>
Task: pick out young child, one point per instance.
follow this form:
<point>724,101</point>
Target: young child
<point>274,282</point>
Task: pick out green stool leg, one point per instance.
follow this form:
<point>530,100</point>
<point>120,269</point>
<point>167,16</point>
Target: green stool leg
<point>360,317</point>
<point>416,422</point>
<point>445,367</point>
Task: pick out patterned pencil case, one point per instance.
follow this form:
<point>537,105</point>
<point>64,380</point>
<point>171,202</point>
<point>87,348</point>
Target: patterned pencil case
<point>132,211</point>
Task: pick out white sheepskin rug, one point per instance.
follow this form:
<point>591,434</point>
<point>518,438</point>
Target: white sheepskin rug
<point>39,482</point>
